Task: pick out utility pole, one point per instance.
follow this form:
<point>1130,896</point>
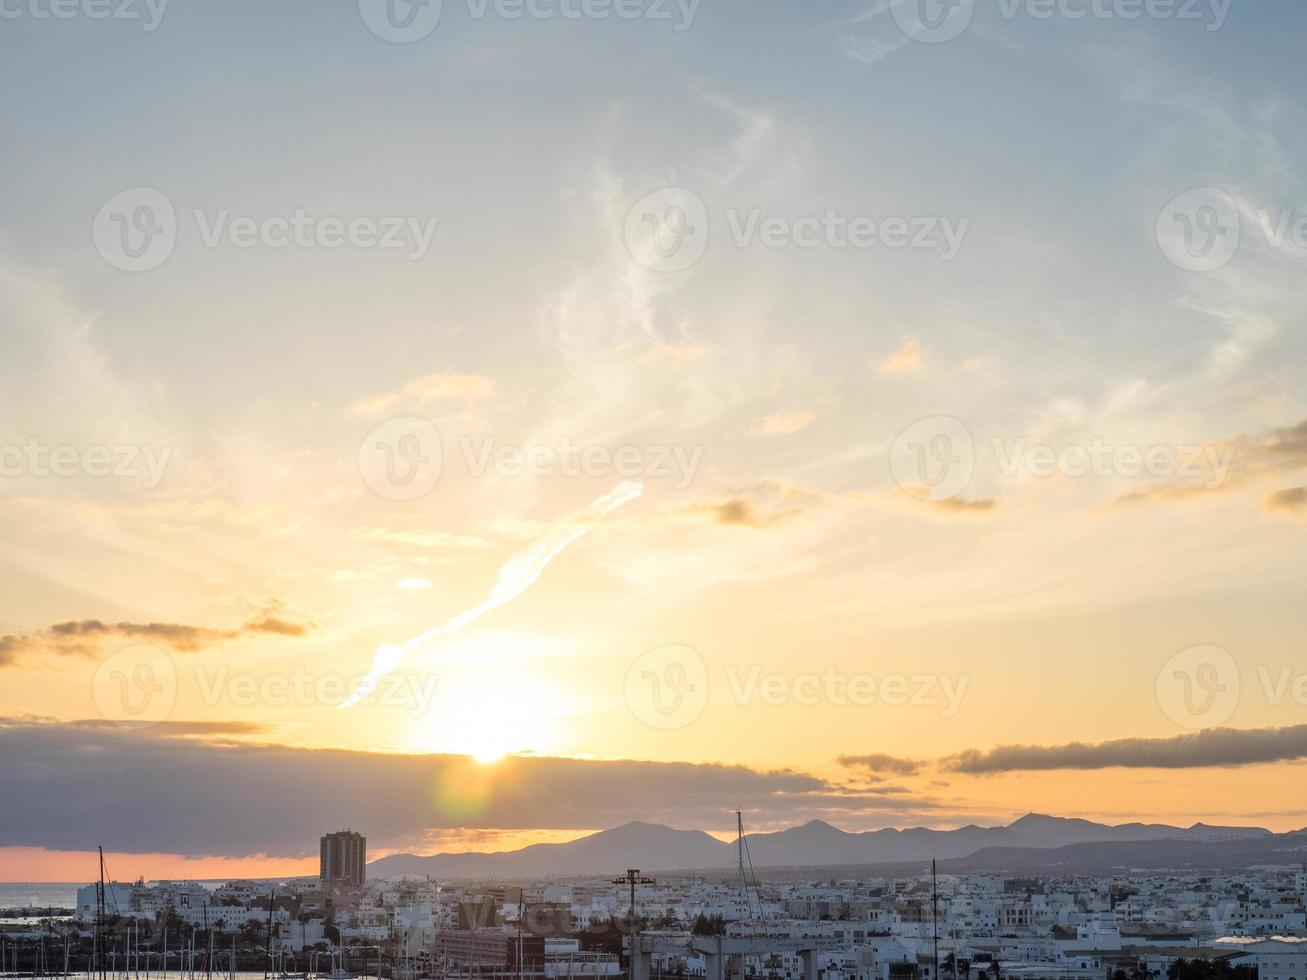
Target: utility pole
<point>633,878</point>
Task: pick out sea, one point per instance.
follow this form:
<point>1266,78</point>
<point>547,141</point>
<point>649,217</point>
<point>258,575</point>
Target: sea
<point>59,895</point>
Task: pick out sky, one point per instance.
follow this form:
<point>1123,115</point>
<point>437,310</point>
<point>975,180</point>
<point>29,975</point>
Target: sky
<point>484,423</point>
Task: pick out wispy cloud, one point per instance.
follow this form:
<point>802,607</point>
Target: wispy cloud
<point>784,423</point>
<point>517,575</point>
<point>445,386</point>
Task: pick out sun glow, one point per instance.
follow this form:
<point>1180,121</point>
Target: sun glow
<point>489,715</point>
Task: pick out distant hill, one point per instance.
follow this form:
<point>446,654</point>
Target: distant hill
<point>1205,850</point>
<point>654,847</point>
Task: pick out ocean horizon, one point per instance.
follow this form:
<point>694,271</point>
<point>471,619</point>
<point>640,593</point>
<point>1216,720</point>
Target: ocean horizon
<point>39,894</point>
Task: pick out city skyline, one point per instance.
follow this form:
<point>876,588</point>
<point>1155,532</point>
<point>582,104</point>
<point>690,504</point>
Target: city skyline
<point>485,429</point>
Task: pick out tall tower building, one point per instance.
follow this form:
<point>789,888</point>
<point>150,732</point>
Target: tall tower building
<point>344,858</point>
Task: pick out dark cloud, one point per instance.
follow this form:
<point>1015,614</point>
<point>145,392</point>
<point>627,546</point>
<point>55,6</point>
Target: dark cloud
<point>169,789</point>
<point>87,637</point>
<point>741,512</point>
<point>1212,747</point>
<point>1292,500</point>
<point>879,762</point>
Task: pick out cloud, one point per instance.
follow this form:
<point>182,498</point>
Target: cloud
<point>113,782</point>
<point>960,505</point>
<point>1292,500</point>
<point>879,762</point>
<point>1232,464</point>
<point>518,574</point>
<point>1211,747</point>
<point>741,512</point>
<point>445,386</point>
<point>426,540</point>
<point>902,361</point>
<point>784,424</point>
<point>867,51</point>
<point>86,637</point>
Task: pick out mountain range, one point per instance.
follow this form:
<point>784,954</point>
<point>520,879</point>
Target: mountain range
<point>1031,842</point>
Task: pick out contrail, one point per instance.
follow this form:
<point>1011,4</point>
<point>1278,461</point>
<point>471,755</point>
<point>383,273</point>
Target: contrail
<point>518,574</point>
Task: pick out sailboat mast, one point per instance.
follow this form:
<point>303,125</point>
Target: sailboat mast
<point>934,917</point>
<point>97,952</point>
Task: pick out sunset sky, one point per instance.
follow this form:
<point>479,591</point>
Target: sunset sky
<point>726,577</point>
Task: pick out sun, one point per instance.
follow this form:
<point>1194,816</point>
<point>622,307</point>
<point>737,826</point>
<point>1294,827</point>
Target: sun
<point>489,716</point>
